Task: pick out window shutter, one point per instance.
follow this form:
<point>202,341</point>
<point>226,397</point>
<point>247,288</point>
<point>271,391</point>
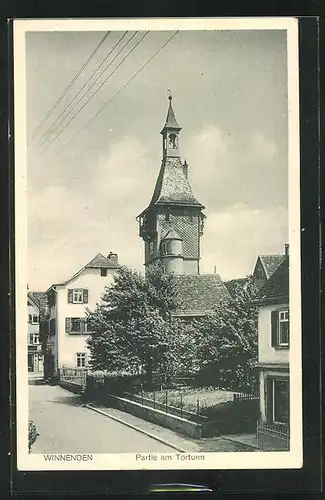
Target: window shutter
<point>85,296</point>
<point>68,325</point>
<point>82,325</point>
<point>274,328</point>
<point>70,295</point>
<point>288,328</point>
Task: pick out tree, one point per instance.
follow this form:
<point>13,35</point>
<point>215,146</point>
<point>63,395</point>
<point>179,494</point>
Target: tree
<point>227,341</point>
<point>132,328</point>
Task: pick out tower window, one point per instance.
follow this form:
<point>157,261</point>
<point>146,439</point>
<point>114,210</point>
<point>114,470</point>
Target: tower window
<point>103,271</point>
<point>190,218</point>
<point>167,216</point>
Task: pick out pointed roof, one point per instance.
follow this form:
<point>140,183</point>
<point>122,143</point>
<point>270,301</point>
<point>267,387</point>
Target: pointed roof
<point>39,298</point>
<point>171,121</point>
<point>276,289</point>
<point>271,263</point>
<point>172,185</point>
<point>101,261</point>
<point>172,235</point>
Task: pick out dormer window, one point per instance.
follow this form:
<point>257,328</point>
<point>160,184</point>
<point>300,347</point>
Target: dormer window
<point>167,216</point>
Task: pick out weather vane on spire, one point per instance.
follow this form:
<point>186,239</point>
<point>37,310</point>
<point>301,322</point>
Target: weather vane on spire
<point>170,94</point>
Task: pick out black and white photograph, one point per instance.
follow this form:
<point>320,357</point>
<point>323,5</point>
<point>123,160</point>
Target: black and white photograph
<point>158,316</point>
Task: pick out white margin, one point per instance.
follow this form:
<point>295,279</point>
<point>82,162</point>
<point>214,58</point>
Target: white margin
<point>126,461</point>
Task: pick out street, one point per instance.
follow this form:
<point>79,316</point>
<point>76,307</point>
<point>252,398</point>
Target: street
<point>64,426</point>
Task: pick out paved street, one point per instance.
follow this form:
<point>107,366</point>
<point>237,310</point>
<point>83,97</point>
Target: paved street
<point>66,427</point>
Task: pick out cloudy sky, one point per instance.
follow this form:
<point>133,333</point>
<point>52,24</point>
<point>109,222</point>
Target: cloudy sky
<point>230,97</point>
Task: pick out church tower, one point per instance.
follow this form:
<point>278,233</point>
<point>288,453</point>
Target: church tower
<point>172,224</point>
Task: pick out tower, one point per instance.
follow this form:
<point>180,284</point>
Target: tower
<point>172,224</point>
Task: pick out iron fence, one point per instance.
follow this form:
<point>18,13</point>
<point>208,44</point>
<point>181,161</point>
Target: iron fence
<point>77,376</point>
<point>272,438</point>
<point>163,404</point>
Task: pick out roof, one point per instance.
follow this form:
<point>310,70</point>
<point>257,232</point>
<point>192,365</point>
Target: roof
<point>172,185</point>
<point>270,263</point>
<point>103,262</point>
<point>99,261</point>
<point>171,121</point>
<point>171,235</point>
<point>39,298</point>
<point>233,285</point>
<point>201,293</point>
<point>276,289</point>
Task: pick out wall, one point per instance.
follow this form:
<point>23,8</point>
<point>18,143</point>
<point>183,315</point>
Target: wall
<point>70,344</point>
<point>267,353</point>
<point>32,328</point>
<point>186,427</point>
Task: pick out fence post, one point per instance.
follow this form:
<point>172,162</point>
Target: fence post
<point>181,405</point>
<point>166,402</point>
<point>142,397</point>
<point>198,407</point>
<point>154,399</point>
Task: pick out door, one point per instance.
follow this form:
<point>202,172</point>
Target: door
<point>30,362</point>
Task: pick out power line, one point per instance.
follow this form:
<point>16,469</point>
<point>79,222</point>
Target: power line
<point>117,93</point>
<point>39,126</point>
<point>94,93</point>
<point>45,138</point>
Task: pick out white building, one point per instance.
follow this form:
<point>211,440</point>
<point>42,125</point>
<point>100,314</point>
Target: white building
<point>273,360</point>
<point>68,302</point>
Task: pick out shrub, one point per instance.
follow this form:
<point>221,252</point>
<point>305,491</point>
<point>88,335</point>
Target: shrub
<point>32,434</point>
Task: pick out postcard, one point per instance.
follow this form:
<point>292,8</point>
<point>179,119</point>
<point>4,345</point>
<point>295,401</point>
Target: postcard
<point>157,244</point>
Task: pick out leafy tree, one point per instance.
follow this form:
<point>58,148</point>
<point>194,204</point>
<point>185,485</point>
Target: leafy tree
<point>132,328</point>
<point>227,342</point>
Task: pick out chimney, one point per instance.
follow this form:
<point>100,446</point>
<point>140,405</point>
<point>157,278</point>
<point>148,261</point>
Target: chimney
<point>214,269</point>
<point>286,249</point>
<point>185,169</point>
<point>113,257</point>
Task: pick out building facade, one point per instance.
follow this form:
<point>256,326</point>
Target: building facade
<point>273,360</point>
<point>36,304</point>
<point>68,302</point>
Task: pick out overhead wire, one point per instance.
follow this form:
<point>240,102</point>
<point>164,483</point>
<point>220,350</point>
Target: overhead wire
<point>57,121</point>
<point>94,93</point>
<point>66,90</point>
<point>117,93</point>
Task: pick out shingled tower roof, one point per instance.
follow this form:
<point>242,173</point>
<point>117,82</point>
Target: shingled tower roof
<point>171,121</point>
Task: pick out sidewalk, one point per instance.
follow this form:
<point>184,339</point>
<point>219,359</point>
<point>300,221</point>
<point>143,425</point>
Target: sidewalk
<point>214,444</point>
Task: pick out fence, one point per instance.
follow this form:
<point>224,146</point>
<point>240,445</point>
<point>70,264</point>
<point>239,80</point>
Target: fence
<point>245,397</point>
<point>164,405</point>
<point>77,376</point>
<point>272,438</point>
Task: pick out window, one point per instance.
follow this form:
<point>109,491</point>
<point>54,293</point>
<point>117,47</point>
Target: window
<point>81,359</point>
<point>31,338</point>
<point>78,296</point>
<point>284,328</point>
<point>76,325</point>
<point>166,247</point>
<point>280,401</point>
<point>35,318</point>
<point>30,318</point>
<point>190,218</point>
<point>280,328</point>
<point>36,338</point>
<point>259,274</point>
<point>52,326</point>
<point>167,216</point>
<point>103,271</point>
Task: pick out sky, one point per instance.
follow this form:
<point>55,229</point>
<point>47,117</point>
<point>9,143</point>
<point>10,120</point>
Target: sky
<point>230,97</point>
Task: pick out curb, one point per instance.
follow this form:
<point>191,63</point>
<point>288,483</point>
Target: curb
<point>254,448</point>
<point>163,441</point>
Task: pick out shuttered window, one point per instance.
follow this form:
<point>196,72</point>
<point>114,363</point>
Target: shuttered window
<point>280,328</point>
<point>78,295</point>
<point>76,325</point>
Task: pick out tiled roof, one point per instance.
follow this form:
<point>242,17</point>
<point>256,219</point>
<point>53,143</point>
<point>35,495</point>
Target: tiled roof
<point>233,285</point>
<point>172,185</point>
<point>40,298</point>
<point>101,261</point>
<point>271,263</point>
<point>201,293</point>
<point>276,289</point>
<point>171,121</point>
